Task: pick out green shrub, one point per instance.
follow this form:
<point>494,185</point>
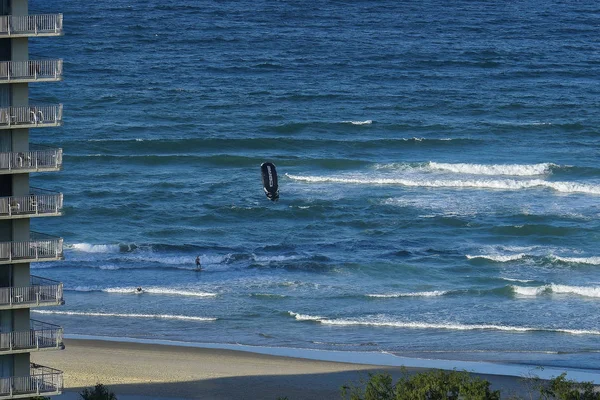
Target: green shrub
<point>453,385</point>
<point>431,385</point>
<point>562,388</point>
<point>100,392</point>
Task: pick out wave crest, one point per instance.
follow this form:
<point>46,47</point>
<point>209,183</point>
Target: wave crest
<point>366,122</point>
<point>495,184</point>
<point>433,293</point>
<point>117,315</point>
<point>585,291</point>
<point>94,248</point>
<point>495,169</point>
<point>386,322</point>
<point>498,257</point>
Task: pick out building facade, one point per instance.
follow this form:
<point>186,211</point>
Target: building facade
<point>21,120</point>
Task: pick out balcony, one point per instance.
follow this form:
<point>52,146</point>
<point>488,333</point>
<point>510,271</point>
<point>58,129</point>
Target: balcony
<point>42,381</point>
<point>31,25</point>
<point>41,292</point>
<point>41,336</point>
<point>38,203</point>
<point>39,247</point>
<point>31,161</point>
<point>31,71</point>
<point>31,116</point>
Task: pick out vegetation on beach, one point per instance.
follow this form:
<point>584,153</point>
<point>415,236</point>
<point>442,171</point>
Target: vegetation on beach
<point>99,392</point>
<point>455,385</point>
<point>434,385</point>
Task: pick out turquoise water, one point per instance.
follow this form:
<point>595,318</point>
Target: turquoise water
<point>437,170</point>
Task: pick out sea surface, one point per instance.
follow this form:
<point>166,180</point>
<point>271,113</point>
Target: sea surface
<point>437,161</point>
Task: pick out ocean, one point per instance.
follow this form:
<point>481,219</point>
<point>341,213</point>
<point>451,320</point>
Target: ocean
<point>437,161</point>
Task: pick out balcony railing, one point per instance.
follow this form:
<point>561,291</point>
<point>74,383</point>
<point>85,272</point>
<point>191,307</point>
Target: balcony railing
<point>31,25</point>
<point>41,292</point>
<point>41,381</point>
<point>31,116</point>
<point>39,247</point>
<point>31,161</point>
<point>38,203</point>
<point>31,71</point>
<point>41,336</point>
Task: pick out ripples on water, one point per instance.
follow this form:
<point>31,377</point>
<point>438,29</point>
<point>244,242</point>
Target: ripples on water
<point>438,175</point>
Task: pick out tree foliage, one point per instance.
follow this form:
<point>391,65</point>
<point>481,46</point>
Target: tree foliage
<point>99,392</point>
<point>454,385</point>
<point>431,385</point>
<point>561,388</point>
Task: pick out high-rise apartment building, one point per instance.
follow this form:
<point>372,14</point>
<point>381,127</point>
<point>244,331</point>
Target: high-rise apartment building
<point>22,119</point>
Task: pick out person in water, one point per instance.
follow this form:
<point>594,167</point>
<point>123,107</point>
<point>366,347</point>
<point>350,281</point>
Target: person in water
<point>198,266</point>
<point>138,290</point>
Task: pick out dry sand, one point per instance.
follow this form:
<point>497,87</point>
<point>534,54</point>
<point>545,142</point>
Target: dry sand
<point>132,370</point>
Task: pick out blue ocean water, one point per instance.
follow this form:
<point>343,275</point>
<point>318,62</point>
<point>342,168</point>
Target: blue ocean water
<point>437,162</point>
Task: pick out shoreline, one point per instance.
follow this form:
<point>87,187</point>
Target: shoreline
<point>174,370</point>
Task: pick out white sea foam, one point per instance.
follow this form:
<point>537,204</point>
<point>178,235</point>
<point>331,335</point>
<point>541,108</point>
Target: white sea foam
<point>497,184</point>
<point>94,248</point>
<point>579,260</point>
<point>384,322</point>
<point>83,289</point>
<point>110,267</point>
<point>498,257</point>
<point>402,167</point>
<point>433,293</point>
<point>147,316</point>
<point>159,290</point>
<point>529,290</point>
<point>517,280</point>
<point>302,317</point>
<point>495,169</point>
<point>267,259</point>
<point>367,122</point>
<point>587,291</point>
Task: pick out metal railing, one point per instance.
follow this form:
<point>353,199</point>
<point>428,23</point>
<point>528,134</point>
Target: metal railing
<point>37,202</point>
<point>41,292</point>
<point>31,161</point>
<point>31,70</point>
<point>40,336</point>
<point>41,381</point>
<point>30,116</point>
<point>39,247</point>
<point>31,25</point>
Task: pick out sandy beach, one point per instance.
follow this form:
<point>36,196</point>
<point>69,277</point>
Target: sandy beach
<point>139,370</point>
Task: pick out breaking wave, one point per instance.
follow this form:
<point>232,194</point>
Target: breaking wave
<point>268,296</point>
<point>495,169</point>
<point>496,184</point>
<point>517,280</point>
<point>433,293</point>
<point>497,257</point>
<point>578,260</point>
<point>150,290</point>
<point>385,322</point>
<point>538,256</point>
<point>94,248</point>
<point>146,316</point>
<point>586,291</point>
<point>367,122</point>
